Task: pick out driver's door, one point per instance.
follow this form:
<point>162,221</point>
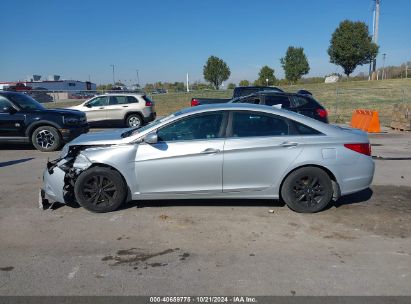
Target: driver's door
<point>11,123</point>
<point>187,159</point>
<point>96,109</point>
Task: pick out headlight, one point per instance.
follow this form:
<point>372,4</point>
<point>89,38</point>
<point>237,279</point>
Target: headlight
<point>71,120</point>
<point>81,162</point>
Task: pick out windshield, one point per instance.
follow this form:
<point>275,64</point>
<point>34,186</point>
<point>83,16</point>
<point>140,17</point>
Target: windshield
<point>25,102</point>
<point>150,125</point>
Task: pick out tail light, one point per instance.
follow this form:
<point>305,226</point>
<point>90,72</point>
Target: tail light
<point>194,102</point>
<point>360,148</point>
<point>322,113</point>
<point>149,103</point>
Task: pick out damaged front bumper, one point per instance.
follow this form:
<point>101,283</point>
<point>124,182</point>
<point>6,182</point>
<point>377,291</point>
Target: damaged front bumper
<point>59,178</point>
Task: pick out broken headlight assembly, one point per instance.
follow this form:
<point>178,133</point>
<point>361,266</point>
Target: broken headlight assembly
<point>81,162</point>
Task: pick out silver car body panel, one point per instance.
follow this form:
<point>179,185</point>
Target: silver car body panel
<point>247,167</point>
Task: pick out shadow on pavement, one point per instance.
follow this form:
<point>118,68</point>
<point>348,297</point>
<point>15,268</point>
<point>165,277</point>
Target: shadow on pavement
<point>204,202</point>
<point>355,198</point>
<point>17,146</point>
<point>13,162</point>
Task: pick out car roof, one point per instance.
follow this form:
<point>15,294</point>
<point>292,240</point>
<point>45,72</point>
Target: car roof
<point>122,94</point>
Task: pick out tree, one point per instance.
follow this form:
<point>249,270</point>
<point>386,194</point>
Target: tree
<point>231,86</point>
<point>216,71</point>
<point>266,73</point>
<point>351,45</point>
<point>244,83</point>
<point>295,64</point>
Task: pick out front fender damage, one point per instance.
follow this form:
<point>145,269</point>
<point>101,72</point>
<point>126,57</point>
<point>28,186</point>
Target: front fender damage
<point>60,176</point>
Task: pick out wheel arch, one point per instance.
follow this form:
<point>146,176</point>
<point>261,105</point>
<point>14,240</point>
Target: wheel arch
<point>330,174</point>
<point>134,112</point>
<point>40,123</point>
<point>93,165</point>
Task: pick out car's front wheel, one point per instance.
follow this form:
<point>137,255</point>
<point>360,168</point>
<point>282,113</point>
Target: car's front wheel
<point>46,139</point>
<point>307,190</point>
<point>100,189</point>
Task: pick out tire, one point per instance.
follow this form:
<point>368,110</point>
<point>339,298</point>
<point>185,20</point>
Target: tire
<point>100,189</point>
<point>134,121</point>
<point>46,139</point>
<point>307,190</point>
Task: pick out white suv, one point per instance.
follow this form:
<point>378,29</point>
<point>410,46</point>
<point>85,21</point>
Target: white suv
<point>131,109</point>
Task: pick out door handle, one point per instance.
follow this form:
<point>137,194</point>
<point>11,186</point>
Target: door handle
<point>101,108</point>
<point>210,151</point>
<point>288,144</point>
<point>125,106</point>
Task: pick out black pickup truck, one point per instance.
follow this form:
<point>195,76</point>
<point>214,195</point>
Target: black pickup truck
<point>238,92</point>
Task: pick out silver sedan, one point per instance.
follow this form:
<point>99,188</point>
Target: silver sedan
<point>227,151</point>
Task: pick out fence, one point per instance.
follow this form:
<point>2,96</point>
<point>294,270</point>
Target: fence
<point>340,102</point>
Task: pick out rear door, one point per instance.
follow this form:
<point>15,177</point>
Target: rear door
<point>257,151</point>
<point>118,106</point>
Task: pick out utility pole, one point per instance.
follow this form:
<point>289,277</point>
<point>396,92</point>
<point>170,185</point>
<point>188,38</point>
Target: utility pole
<point>383,76</point>
<point>188,88</point>
<point>375,34</point>
<point>406,71</point>
<point>114,82</point>
<point>138,79</point>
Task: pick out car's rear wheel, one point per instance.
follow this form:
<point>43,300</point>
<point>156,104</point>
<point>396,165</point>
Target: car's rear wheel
<point>134,121</point>
<point>46,139</point>
<point>100,189</point>
<point>307,190</point>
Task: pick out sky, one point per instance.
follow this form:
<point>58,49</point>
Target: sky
<point>165,39</point>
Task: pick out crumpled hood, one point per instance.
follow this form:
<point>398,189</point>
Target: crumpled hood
<point>100,138</point>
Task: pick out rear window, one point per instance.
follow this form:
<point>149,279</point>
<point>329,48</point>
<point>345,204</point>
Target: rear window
<point>272,100</point>
<point>305,130</point>
<point>298,101</point>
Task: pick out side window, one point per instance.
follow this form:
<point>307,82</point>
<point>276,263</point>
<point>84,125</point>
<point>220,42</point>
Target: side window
<point>115,100</point>
<point>203,126</point>
<point>131,99</point>
<point>99,101</point>
<point>298,101</point>
<point>305,130</point>
<point>272,100</point>
<point>250,124</point>
<point>4,103</point>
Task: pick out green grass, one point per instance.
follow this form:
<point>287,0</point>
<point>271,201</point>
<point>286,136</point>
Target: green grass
<point>340,99</point>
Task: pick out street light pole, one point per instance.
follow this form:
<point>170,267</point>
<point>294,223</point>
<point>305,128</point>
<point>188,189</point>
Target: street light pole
<point>383,67</point>
<point>138,79</point>
<point>114,82</point>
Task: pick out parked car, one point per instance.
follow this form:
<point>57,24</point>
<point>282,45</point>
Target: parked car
<point>81,95</point>
<point>238,92</point>
<point>40,95</point>
<point>129,109</point>
<point>218,151</point>
<point>303,103</point>
<point>24,120</point>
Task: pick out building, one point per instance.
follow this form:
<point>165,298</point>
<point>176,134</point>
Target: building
<point>53,84</point>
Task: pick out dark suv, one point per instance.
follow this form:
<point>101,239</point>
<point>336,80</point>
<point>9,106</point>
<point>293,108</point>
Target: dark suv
<point>303,102</point>
<point>24,120</point>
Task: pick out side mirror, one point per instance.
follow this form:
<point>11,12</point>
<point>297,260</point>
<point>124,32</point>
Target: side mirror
<point>9,110</point>
<point>151,138</point>
<point>88,105</point>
